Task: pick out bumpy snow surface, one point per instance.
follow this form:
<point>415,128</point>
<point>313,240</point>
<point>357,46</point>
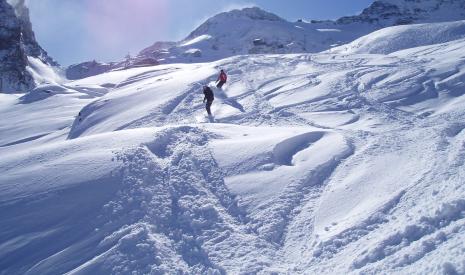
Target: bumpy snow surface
<point>397,38</point>
<point>314,163</point>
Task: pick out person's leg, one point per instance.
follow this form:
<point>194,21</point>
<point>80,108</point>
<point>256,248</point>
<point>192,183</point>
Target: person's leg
<point>220,84</point>
<point>209,103</point>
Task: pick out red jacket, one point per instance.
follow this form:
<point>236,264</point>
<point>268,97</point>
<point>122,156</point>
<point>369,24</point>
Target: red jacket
<point>223,77</point>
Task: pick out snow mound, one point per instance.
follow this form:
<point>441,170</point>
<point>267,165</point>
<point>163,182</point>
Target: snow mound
<point>397,38</point>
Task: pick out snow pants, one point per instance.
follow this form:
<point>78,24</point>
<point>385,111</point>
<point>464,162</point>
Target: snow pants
<point>220,84</point>
<point>208,105</point>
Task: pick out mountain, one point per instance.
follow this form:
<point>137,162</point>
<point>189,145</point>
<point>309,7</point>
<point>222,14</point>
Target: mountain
<point>17,48</point>
<point>86,69</point>
<point>252,31</point>
<point>255,31</point>
<point>386,13</point>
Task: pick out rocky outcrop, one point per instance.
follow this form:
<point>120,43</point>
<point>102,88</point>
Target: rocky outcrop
<point>28,39</point>
<point>86,69</point>
<point>13,59</point>
<point>17,42</point>
<point>156,47</point>
<point>386,13</point>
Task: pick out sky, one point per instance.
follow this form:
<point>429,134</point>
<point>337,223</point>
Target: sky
<point>74,31</point>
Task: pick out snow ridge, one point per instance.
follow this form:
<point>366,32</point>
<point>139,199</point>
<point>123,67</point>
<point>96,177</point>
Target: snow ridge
<point>173,207</point>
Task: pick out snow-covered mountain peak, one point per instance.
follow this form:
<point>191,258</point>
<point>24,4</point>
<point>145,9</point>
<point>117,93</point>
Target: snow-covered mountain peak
<point>254,13</point>
<point>236,15</point>
<point>429,7</point>
<point>400,12</point>
<point>255,31</point>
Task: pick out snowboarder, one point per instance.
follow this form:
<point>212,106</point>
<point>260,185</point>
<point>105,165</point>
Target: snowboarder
<point>209,98</point>
<point>222,79</point>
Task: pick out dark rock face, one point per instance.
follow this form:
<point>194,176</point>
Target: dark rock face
<point>400,12</point>
<point>13,59</point>
<point>156,47</point>
<point>17,42</point>
<point>86,69</point>
<point>373,14</point>
<point>28,39</point>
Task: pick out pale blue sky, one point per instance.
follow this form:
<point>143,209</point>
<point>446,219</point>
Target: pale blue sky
<point>73,31</point>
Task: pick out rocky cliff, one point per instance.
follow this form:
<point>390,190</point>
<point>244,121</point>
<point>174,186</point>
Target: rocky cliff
<point>13,58</point>
<point>17,42</point>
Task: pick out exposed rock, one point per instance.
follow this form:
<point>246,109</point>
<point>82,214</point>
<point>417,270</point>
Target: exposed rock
<point>86,69</point>
<point>28,39</point>
<point>13,60</point>
<point>400,12</point>
<point>17,42</point>
<point>156,47</point>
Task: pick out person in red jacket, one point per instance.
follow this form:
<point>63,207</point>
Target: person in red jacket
<point>222,79</point>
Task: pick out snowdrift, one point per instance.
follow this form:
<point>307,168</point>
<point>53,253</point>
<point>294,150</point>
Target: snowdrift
<point>392,39</point>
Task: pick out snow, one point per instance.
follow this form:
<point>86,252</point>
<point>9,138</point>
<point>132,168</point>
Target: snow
<point>43,73</point>
<point>196,40</point>
<point>331,163</point>
<point>397,38</point>
<point>328,30</point>
<point>253,31</point>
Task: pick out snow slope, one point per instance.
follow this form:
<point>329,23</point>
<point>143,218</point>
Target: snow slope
<point>397,38</point>
<point>324,163</point>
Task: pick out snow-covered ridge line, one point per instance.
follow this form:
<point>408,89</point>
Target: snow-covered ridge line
<point>392,39</point>
<point>257,31</point>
